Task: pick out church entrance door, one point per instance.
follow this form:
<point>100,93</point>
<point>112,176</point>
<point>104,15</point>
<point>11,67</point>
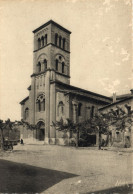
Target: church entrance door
<point>40,132</point>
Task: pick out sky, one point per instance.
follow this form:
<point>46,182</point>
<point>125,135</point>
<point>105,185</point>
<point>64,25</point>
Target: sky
<point>101,46</point>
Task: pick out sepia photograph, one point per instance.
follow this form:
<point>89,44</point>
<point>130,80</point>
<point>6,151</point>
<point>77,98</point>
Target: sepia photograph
<point>66,97</point>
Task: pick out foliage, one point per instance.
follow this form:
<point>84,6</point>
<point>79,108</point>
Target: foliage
<point>28,125</point>
<point>121,118</point>
<point>69,126</point>
<point>100,124</point>
<point>9,129</point>
<point>3,126</point>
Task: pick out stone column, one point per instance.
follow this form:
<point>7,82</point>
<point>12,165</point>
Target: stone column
<point>87,112</point>
<point>45,40</point>
<point>97,139</point>
<point>52,113</point>
<point>42,66</point>
<point>32,101</point>
<point>75,108</point>
<point>47,107</point>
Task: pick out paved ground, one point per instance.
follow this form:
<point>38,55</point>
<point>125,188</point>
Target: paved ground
<point>65,170</point>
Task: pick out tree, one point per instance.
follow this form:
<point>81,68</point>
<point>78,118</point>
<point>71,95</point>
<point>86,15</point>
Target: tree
<point>3,126</point>
<point>9,125</point>
<point>71,127</point>
<point>25,123</point>
<point>119,118</point>
<point>1,130</point>
<point>97,124</point>
<point>100,123</point>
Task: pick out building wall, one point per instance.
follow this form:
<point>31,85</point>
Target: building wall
<point>32,101</point>
<point>120,138</point>
<point>120,104</point>
<point>51,52</point>
<point>88,108</point>
<point>70,111</point>
<point>23,111</point>
<point>61,33</point>
<point>40,33</point>
<point>57,104</point>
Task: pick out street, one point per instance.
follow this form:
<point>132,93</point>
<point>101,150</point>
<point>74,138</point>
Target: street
<point>57,169</point>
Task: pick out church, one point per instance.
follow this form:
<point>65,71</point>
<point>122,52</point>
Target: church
<point>51,97</point>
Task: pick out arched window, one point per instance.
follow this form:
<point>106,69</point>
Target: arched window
<point>92,111</point>
<point>56,39</point>
<point>63,65</point>
<point>60,108</point>
<point>60,40</point>
<point>39,106</point>
<point>45,64</point>
<point>43,105</point>
<point>26,113</point>
<point>39,43</point>
<point>56,64</point>
<point>79,109</point>
<point>45,38</point>
<point>64,42</point>
<point>41,81</point>
<point>42,41</point>
<point>39,67</point>
<point>40,103</point>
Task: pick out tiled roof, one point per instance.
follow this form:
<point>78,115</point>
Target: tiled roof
<point>117,102</point>
<point>24,100</point>
<point>85,93</point>
<point>51,22</point>
<point>29,88</point>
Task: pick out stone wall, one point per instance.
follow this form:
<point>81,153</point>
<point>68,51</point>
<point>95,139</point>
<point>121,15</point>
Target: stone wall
<point>120,138</point>
<point>23,108</point>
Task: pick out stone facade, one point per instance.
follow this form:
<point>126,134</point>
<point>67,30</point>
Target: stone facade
<point>120,138</point>
<point>51,97</point>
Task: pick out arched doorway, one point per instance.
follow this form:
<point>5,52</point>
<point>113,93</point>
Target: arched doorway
<point>40,132</point>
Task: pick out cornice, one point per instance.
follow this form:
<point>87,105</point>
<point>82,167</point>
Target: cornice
<point>52,45</point>
<point>43,72</point>
<point>51,22</point>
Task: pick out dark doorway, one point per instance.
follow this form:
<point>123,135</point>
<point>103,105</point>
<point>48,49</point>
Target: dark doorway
<point>40,132</point>
<point>92,139</point>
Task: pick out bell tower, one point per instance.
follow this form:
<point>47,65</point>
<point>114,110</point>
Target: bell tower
<point>51,63</point>
<point>52,51</point>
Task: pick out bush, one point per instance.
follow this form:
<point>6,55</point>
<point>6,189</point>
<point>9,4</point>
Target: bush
<point>72,142</point>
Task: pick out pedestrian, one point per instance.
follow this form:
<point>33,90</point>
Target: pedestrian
<point>22,142</point>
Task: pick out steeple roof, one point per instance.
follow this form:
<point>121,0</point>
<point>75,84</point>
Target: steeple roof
<point>51,22</point>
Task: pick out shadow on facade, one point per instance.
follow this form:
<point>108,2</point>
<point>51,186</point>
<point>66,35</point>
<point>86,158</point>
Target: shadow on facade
<point>128,188</point>
<point>22,178</point>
